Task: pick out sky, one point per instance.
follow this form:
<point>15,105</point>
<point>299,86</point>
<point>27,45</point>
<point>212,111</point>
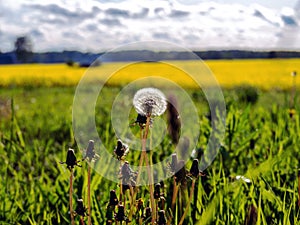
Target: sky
<point>99,25</point>
<point>268,3</point>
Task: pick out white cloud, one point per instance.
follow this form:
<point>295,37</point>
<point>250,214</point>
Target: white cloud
<point>97,25</point>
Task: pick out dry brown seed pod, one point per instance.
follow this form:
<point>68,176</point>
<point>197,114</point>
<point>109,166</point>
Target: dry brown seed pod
<point>162,218</point>
<point>71,160</point>
<point>80,209</point>
<point>120,216</point>
<point>157,191</point>
<point>113,199</point>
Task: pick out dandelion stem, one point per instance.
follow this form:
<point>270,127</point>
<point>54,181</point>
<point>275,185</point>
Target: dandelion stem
<point>151,190</point>
<point>124,202</point>
<point>156,208</point>
<point>189,203</point>
<point>147,128</point>
<point>131,197</point>
<point>141,159</point>
<point>89,195</point>
<point>71,197</point>
<point>81,221</point>
<point>175,192</point>
<point>145,157</point>
<point>174,197</point>
<point>121,187</point>
<point>137,179</point>
<point>144,141</point>
<point>140,166</point>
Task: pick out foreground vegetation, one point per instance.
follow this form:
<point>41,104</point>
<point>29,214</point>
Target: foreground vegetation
<point>261,144</point>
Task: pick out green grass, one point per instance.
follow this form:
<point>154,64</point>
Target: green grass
<point>261,143</point>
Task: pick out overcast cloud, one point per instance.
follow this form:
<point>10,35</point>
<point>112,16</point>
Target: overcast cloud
<point>97,25</point>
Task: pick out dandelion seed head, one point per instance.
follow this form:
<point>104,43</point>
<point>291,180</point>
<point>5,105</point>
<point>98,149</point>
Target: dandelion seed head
<point>150,101</point>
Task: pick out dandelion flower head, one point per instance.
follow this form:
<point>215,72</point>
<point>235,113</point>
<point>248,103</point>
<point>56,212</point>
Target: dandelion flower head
<point>149,101</point>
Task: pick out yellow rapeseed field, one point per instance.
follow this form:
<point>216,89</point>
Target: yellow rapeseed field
<point>264,74</point>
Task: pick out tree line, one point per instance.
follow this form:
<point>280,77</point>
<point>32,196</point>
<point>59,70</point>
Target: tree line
<point>23,53</point>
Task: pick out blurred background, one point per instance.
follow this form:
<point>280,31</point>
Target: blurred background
<point>96,26</point>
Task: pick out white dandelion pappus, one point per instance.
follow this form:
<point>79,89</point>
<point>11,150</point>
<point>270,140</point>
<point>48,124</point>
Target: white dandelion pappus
<point>149,101</point>
<point>245,179</point>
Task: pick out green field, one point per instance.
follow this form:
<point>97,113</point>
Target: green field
<point>261,143</point>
